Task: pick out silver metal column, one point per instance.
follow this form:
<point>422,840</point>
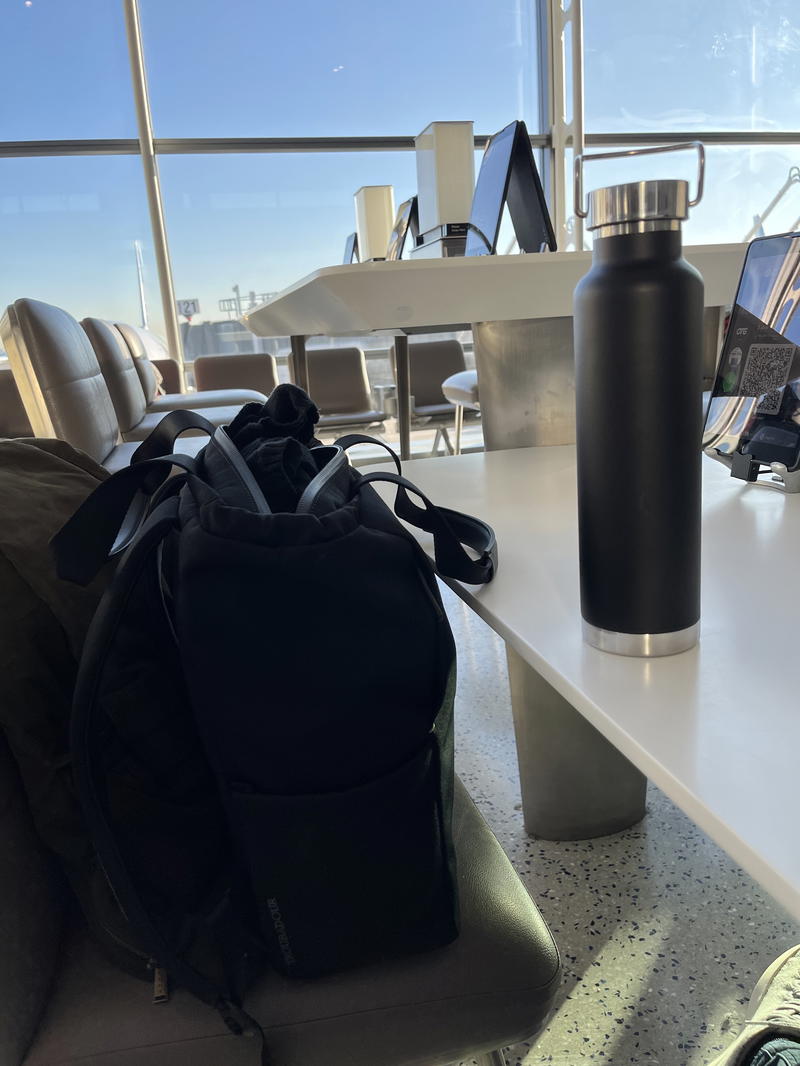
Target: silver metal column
<point>402,369</point>
<point>299,362</point>
<point>575,784</point>
<point>526,377</point>
<point>145,126</point>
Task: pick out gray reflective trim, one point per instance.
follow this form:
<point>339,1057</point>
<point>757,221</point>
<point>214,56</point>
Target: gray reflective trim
<point>112,146</point>
<point>645,645</point>
<point>241,469</point>
<point>212,145</point>
<point>708,137</point>
<point>188,145</point>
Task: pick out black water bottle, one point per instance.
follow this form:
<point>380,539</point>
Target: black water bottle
<point>638,320</point>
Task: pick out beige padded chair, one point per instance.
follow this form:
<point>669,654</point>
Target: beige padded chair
<point>251,370</point>
<point>339,386</point>
<point>149,354</point>
<point>462,390</point>
<point>13,420</point>
<point>493,986</point>
<point>430,363</point>
<point>170,375</point>
<point>136,420</point>
<point>61,385</point>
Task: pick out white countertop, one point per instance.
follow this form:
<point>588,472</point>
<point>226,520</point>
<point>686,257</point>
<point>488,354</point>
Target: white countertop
<point>717,728</point>
<point>413,294</point>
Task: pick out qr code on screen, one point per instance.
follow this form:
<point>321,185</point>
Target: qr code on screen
<point>766,371</point>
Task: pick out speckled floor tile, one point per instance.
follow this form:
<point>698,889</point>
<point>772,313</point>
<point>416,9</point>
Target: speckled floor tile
<point>662,936</point>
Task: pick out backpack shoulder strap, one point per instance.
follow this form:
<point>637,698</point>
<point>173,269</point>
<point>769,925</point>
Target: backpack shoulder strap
<point>83,728</point>
<point>107,521</point>
<point>99,642</point>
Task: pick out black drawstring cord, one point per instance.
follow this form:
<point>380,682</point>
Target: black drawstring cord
<point>241,1024</point>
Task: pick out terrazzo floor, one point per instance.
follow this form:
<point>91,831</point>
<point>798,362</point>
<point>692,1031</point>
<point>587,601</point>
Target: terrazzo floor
<point>662,936</point>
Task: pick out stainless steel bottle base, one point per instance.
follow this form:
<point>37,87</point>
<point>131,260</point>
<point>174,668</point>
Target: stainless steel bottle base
<point>646,645</point>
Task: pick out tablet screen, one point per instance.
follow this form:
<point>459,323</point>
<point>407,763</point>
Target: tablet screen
<point>508,174</point>
<point>405,223</point>
<point>489,197</point>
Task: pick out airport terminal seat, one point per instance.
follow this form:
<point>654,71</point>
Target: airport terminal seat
<point>170,375</point>
<point>61,385</point>
<point>136,419</point>
<point>13,420</point>
<point>339,385</point>
<point>430,364</point>
<point>64,1004</point>
<point>251,370</point>
<point>150,354</point>
<point>462,390</point>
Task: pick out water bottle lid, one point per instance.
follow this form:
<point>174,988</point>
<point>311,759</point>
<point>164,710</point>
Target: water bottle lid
<point>664,200</point>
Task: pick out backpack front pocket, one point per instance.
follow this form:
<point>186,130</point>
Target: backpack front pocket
<point>346,877</point>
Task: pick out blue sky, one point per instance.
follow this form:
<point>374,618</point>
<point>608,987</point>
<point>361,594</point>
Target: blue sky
<point>313,68</point>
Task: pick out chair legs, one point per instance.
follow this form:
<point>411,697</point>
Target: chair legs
<point>443,436</point>
<point>459,425</point>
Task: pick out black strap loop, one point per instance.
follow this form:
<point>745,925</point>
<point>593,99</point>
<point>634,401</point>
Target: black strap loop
<point>451,530</point>
<point>107,521</point>
<point>314,491</point>
<point>350,439</point>
<point>241,1023</point>
<point>162,439</point>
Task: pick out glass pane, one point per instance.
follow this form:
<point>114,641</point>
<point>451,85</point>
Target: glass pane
<point>730,65</point>
<point>260,222</point>
<point>352,68</point>
<point>741,182</point>
<point>65,71</point>
<point>69,230</point>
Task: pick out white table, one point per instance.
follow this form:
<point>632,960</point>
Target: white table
<point>519,308</point>
<point>717,728</point>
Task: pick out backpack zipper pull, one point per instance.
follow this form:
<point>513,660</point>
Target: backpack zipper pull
<point>160,984</point>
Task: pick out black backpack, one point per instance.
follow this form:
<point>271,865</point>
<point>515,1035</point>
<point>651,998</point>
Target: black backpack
<point>262,732</point>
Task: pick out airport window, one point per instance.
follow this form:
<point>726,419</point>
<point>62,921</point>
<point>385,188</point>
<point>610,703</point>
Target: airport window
<point>66,74</point>
<point>261,221</point>
<point>655,67</point>
<point>76,233</point>
<point>347,92</point>
<point>741,181</point>
<point>311,69</point>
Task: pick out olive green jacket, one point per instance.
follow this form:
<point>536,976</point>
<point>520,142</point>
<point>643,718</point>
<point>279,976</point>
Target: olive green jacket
<point>43,622</point>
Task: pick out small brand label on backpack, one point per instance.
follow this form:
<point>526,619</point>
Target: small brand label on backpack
<point>280,932</point>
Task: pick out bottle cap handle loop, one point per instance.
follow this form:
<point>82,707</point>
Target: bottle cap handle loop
<point>581,159</point>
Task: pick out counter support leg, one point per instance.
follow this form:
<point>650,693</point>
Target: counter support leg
<point>402,369</point>
<point>299,362</point>
<point>575,784</point>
